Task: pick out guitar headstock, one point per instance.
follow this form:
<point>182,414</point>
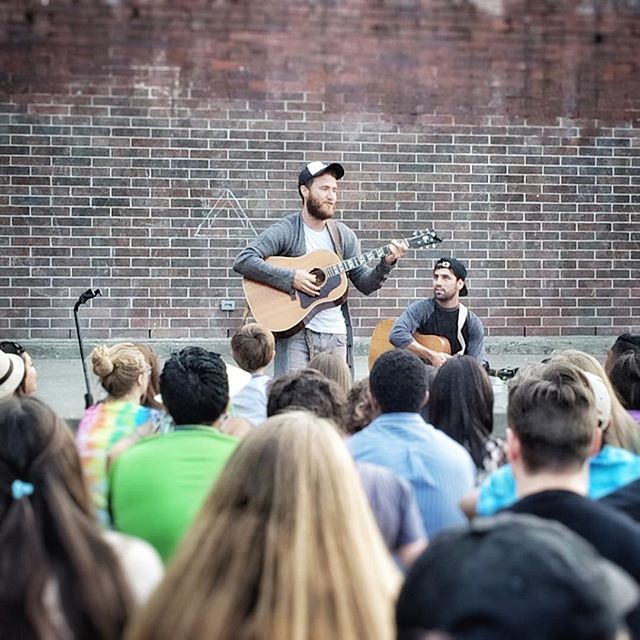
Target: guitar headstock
<point>424,238</point>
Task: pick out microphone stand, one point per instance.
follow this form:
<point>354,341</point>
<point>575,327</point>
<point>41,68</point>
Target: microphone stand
<point>89,294</point>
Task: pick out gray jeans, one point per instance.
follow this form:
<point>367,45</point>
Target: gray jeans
<point>295,352</point>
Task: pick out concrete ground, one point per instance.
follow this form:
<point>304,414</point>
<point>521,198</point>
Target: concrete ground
<point>61,380</point>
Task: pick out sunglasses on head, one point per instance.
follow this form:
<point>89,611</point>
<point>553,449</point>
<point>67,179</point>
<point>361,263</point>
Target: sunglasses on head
<point>12,347</point>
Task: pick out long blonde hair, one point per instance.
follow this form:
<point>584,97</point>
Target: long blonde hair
<point>623,431</point>
<point>285,548</point>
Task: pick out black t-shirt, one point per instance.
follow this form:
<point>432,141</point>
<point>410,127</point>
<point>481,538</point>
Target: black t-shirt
<point>614,534</point>
<point>444,322</point>
<point>625,499</point>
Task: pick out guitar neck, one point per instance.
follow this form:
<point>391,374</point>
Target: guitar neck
<point>357,261</point>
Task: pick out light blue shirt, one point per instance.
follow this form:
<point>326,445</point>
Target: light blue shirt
<point>609,469</point>
<point>440,470</point>
<point>251,401</point>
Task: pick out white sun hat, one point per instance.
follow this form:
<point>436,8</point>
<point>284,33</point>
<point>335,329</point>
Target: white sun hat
<point>11,373</point>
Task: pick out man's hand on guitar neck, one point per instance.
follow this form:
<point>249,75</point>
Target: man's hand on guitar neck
<point>397,248</point>
<point>306,282</point>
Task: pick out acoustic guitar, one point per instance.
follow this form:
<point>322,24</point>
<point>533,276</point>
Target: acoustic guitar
<point>281,311</point>
<point>380,341</point>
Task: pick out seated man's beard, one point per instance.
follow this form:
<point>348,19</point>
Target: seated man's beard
<point>315,211</point>
<point>445,296</point>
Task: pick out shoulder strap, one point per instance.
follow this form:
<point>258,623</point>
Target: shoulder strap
<point>334,233</point>
<point>463,313</point>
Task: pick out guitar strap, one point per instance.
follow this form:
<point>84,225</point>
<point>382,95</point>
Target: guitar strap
<point>336,238</point>
<point>334,233</point>
<point>463,314</point>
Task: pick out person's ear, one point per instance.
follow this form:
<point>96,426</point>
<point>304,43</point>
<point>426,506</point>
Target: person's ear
<point>459,284</point>
<point>304,190</point>
<point>513,446</point>
<point>596,443</point>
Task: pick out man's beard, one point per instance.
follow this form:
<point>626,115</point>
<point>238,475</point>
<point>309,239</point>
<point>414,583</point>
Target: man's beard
<point>443,296</point>
<point>315,210</point>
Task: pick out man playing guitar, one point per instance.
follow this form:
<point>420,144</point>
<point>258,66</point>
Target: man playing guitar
<point>441,315</point>
<point>329,329</point>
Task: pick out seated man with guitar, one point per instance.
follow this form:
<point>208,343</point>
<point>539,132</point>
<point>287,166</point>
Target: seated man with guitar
<point>274,284</point>
<point>441,315</point>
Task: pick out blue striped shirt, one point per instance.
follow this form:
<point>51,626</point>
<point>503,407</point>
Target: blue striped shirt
<point>440,470</point>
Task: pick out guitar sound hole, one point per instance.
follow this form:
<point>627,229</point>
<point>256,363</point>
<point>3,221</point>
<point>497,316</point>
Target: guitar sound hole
<point>319,275</point>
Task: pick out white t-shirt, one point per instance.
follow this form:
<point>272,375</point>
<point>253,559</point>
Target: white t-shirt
<point>328,320</point>
<point>251,401</point>
<point>141,566</point>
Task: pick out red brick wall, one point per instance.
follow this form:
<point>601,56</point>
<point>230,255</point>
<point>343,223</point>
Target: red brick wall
<point>137,135</point>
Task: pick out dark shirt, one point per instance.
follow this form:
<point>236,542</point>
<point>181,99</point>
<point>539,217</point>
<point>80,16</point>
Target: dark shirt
<point>444,322</point>
<point>393,504</point>
<point>625,499</point>
<point>613,534</point>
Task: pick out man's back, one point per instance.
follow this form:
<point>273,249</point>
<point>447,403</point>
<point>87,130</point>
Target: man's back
<point>614,535</point>
<point>158,486</point>
<point>440,470</point>
<point>394,506</point>
<point>626,499</point>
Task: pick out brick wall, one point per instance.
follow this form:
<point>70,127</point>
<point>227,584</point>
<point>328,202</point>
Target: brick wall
<point>144,142</point>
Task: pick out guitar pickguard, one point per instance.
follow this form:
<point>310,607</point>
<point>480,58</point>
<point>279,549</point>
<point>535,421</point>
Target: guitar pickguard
<point>330,284</point>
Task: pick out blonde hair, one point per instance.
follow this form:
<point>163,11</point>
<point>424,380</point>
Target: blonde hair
<point>118,367</point>
<point>333,366</point>
<point>623,430</point>
<point>153,387</point>
<point>285,548</point>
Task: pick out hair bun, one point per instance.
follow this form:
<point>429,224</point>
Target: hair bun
<point>101,361</point>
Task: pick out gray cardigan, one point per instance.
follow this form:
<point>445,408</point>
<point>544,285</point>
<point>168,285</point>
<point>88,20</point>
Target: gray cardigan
<point>286,238</point>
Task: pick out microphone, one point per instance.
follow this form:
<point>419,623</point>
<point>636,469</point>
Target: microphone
<point>89,294</point>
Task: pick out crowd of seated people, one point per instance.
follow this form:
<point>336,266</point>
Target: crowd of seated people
<point>198,499</point>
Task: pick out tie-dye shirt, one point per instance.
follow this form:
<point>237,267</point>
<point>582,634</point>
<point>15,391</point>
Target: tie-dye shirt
<point>102,425</point>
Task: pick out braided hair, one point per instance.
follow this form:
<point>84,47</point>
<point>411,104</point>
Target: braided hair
<point>194,386</point>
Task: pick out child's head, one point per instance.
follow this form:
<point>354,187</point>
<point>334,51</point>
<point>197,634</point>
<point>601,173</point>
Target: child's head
<point>253,347</point>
